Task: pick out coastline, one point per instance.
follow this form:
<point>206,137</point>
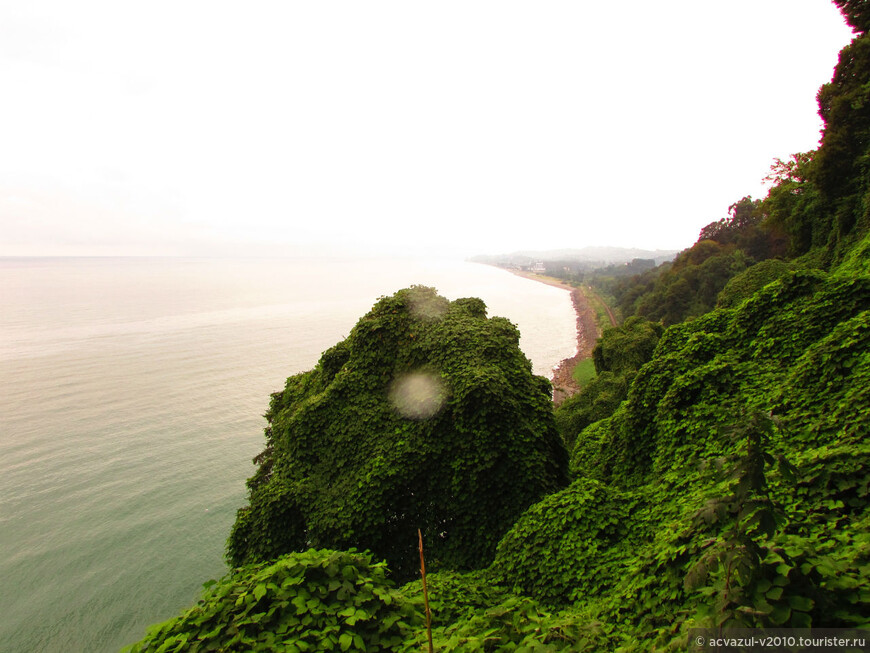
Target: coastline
<point>588,333</point>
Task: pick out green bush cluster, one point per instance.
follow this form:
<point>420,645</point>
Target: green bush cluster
<point>568,546</point>
<point>318,600</point>
<point>751,280</point>
<point>473,612</point>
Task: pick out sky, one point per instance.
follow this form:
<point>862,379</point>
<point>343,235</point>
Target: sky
<point>456,127</point>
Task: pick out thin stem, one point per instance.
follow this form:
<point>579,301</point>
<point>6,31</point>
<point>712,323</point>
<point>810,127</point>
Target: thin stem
<point>425,593</point>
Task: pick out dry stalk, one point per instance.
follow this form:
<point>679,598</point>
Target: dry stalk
<point>425,593</point>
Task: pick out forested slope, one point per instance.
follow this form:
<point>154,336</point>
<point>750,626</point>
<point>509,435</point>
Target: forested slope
<point>717,466</point>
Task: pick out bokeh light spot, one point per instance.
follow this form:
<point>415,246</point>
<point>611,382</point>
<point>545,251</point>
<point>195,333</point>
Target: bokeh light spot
<point>417,395</point>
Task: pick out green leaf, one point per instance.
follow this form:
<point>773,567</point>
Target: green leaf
<point>774,593</point>
<point>780,614</point>
<point>801,603</point>
<point>800,620</point>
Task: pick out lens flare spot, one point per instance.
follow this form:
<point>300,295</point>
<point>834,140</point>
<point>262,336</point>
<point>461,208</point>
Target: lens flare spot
<point>425,304</point>
<point>417,395</point>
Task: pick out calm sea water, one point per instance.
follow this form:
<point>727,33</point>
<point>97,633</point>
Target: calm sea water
<point>131,395</point>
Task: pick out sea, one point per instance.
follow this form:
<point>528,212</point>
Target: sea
<point>131,399</point>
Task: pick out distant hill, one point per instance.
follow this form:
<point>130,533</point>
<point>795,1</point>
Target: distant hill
<point>589,256</point>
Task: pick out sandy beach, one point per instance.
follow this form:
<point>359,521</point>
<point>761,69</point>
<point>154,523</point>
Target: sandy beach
<point>587,334</point>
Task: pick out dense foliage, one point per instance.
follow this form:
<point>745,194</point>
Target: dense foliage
<point>312,601</point>
<point>729,487</point>
<point>570,545</point>
<point>618,354</point>
<point>742,286</point>
<point>624,349</point>
<point>688,287</point>
<point>471,612</point>
<point>857,14</point>
<point>426,416</point>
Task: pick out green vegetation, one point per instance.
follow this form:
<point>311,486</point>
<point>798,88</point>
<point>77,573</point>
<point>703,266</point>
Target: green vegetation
<point>313,601</point>
<point>599,305</point>
<point>742,286</point>
<point>427,416</point>
<point>686,288</point>
<point>617,356</point>
<point>584,372</point>
<point>717,472</point>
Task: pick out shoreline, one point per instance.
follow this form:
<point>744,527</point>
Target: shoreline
<point>588,333</point>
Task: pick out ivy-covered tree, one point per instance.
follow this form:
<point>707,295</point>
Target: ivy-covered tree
<point>427,416</point>
<point>625,348</point>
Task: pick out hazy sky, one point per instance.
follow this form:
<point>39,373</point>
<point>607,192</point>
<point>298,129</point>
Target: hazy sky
<point>458,126</point>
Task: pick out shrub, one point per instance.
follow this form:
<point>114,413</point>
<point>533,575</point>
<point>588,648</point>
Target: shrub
<point>312,601</point>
